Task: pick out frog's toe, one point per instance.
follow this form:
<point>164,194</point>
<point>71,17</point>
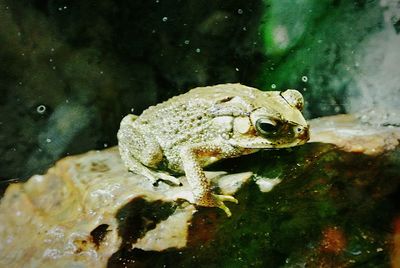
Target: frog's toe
<point>220,199</point>
<point>227,198</point>
<point>168,178</point>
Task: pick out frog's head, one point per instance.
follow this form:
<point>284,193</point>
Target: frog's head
<point>276,121</point>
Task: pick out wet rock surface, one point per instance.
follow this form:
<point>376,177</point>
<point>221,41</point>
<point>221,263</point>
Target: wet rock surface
<point>329,203</point>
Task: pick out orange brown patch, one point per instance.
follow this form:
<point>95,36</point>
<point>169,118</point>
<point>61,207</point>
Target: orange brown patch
<point>333,240</point>
<point>208,153</point>
<point>395,257</point>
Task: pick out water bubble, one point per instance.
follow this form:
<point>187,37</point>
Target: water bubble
<point>198,50</point>
<point>240,11</point>
<point>187,42</point>
<point>273,86</point>
<point>164,19</point>
<point>304,78</point>
<point>41,109</point>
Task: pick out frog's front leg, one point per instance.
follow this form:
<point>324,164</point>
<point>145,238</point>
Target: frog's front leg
<point>192,156</point>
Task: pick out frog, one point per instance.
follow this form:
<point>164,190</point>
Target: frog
<point>191,131</point>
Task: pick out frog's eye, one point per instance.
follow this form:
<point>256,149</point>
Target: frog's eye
<point>266,126</point>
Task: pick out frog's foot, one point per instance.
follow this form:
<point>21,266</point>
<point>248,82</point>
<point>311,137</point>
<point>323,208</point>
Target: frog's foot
<point>220,202</point>
<point>216,200</point>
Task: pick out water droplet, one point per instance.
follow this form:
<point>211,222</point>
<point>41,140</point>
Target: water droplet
<point>164,19</point>
<point>198,50</point>
<point>273,86</point>
<point>304,78</point>
<point>240,11</point>
<point>48,140</point>
<point>187,42</point>
<point>41,109</point>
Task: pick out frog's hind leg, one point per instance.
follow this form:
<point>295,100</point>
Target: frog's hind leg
<point>140,151</point>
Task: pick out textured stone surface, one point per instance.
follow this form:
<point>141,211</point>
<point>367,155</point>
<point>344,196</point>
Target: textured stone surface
<point>73,214</point>
<point>351,135</point>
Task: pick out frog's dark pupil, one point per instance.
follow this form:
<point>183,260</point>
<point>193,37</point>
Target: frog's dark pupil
<point>266,127</point>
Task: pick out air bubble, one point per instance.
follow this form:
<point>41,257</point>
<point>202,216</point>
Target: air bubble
<point>273,86</point>
<point>164,19</point>
<point>304,78</point>
<point>187,42</point>
<point>41,109</point>
<point>48,140</point>
<point>240,11</point>
<point>198,50</point>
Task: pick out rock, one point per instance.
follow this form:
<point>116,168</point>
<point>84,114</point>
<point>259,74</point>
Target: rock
<point>331,206</point>
<point>351,135</point>
<point>78,207</point>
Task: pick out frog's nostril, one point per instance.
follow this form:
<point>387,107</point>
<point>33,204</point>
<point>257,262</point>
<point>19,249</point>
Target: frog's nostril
<point>302,132</point>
